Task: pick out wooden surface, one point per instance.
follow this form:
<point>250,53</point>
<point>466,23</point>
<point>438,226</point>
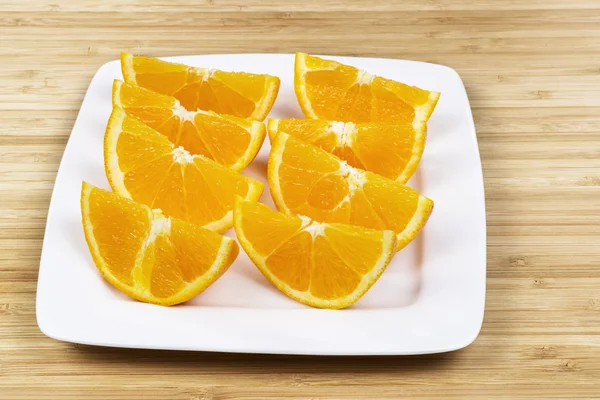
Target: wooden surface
<point>532,71</point>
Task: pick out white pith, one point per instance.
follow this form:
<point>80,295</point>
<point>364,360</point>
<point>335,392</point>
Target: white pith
<point>343,131</point>
<point>182,156</point>
<point>364,78</point>
<point>182,113</point>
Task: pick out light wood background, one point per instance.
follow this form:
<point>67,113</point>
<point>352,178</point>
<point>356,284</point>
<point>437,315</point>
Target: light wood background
<point>532,71</point>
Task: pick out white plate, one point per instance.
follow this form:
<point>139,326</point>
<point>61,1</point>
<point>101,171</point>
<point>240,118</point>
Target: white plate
<point>430,299</point>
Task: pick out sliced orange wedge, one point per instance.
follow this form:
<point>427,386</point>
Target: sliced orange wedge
<point>392,150</point>
<point>230,141</point>
<point>143,165</point>
<point>324,265</point>
<point>330,90</point>
<point>306,180</point>
<point>148,256</point>
<point>236,93</point>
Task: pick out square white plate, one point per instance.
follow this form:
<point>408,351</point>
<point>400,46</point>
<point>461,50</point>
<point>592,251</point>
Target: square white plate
<point>430,299</point>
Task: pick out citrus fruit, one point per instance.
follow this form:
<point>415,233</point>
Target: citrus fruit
<point>330,90</point>
<point>236,93</point>
<point>143,165</point>
<point>392,150</point>
<point>148,256</point>
<point>228,140</point>
<point>326,265</point>
<point>306,180</point>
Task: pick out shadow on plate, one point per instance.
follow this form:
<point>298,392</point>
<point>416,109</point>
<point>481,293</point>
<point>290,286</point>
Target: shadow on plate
<point>268,364</point>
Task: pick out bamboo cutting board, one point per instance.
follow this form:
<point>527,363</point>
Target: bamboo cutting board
<point>532,72</point>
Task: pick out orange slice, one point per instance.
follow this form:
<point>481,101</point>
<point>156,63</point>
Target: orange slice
<point>141,164</point>
<point>148,256</point>
<point>329,90</point>
<point>230,141</point>
<point>307,180</point>
<point>236,93</point>
<point>324,265</point>
<point>392,150</point>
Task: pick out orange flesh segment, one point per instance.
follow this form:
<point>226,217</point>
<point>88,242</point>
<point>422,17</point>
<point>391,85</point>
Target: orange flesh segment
<point>307,180</point>
<point>144,166</point>
<point>111,218</point>
<point>330,90</point>
<point>324,265</point>
<point>392,150</point>
<point>291,261</point>
<point>228,140</point>
<point>240,94</point>
<point>147,256</point>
